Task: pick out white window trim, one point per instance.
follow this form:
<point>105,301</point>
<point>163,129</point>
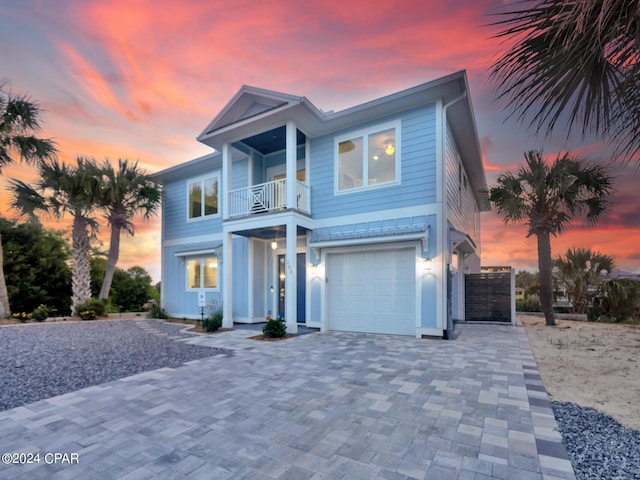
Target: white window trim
<point>202,259</point>
<point>364,133</point>
<point>202,179</point>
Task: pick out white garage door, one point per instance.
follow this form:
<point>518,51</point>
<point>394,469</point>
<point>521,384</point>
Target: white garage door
<point>372,291</point>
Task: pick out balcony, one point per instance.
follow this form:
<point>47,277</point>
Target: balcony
<point>268,197</point>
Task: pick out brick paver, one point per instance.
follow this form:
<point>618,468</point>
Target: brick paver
<point>319,406</point>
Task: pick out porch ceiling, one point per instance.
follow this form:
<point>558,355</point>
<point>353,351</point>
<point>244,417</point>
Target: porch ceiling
<point>269,233</point>
<point>272,140</point>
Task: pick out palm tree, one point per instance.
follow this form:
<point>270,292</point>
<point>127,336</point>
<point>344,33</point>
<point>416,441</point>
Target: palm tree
<point>574,61</point>
<point>547,198</point>
<point>580,271</point>
<point>123,194</point>
<point>62,190</point>
<point>19,120</point>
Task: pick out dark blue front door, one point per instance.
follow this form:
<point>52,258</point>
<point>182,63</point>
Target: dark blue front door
<point>301,265</point>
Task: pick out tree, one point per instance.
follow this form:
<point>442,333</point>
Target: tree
<point>547,198</point>
<point>19,120</point>
<point>576,61</point>
<point>62,190</point>
<point>123,194</point>
<point>133,289</point>
<point>529,281</point>
<point>36,267</point>
<point>580,271</point>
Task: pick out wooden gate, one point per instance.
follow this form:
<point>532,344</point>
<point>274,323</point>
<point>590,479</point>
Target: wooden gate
<point>488,297</point>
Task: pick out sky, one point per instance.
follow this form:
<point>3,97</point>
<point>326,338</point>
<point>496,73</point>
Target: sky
<point>140,79</point>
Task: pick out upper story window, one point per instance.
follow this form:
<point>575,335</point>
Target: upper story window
<point>202,273</point>
<point>202,197</point>
<point>368,158</point>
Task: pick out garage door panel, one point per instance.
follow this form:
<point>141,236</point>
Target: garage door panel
<point>372,291</point>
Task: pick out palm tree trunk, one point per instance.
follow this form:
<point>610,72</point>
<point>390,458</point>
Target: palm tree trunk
<point>4,295</point>
<point>81,266</point>
<point>545,264</point>
<point>114,250</point>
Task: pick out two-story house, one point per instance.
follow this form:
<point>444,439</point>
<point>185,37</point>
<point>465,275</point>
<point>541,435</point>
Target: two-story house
<point>363,220</point>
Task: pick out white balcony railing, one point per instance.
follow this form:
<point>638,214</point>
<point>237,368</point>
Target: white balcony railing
<point>267,197</point>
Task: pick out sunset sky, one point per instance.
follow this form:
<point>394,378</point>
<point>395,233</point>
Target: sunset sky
<point>139,79</point>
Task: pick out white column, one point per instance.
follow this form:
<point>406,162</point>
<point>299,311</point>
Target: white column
<point>225,181</point>
<point>291,165</point>
<point>227,280</point>
<point>291,280</point>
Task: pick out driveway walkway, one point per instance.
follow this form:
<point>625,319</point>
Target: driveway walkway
<point>324,405</point>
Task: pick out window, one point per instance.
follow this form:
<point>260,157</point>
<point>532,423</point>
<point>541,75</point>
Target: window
<point>203,197</point>
<point>202,273</point>
<point>367,159</point>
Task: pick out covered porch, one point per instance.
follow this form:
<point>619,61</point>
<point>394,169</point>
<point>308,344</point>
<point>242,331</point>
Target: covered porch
<point>270,275</point>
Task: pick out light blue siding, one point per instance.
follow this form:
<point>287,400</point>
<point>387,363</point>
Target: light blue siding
<point>240,174</point>
<point>178,301</point>
<point>418,170</point>
<point>174,214</point>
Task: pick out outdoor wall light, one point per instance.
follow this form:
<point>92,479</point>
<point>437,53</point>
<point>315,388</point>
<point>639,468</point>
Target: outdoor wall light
<point>314,270</point>
<point>427,264</point>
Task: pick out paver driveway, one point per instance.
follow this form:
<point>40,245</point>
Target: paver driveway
<point>325,405</point>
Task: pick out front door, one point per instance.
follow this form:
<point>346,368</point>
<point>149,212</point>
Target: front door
<point>301,264</point>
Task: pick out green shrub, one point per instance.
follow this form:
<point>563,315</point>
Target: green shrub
<point>40,314</point>
<point>97,306</point>
<point>274,328</point>
<point>23,317</point>
<point>531,303</point>
<point>88,314</point>
<point>156,311</point>
<point>213,322</point>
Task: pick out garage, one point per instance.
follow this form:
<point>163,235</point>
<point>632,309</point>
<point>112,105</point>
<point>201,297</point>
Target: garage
<point>372,291</point>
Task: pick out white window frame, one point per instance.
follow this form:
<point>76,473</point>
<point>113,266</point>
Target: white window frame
<point>202,259</point>
<point>365,133</point>
<point>202,181</point>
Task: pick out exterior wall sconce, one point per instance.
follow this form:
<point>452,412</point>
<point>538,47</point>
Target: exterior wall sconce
<point>314,270</point>
<point>427,265</point>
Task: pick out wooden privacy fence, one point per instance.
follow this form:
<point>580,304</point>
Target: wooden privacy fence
<point>488,297</point>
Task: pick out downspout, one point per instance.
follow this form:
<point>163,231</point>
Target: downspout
<point>444,247</point>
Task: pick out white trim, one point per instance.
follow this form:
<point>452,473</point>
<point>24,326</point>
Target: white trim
<point>214,237</point>
<point>391,214</point>
<point>370,240</point>
<point>201,259</point>
<point>267,220</point>
<point>365,133</point>
<point>195,253</point>
<point>202,178</point>
<point>250,278</point>
<point>439,256</point>
<point>429,332</point>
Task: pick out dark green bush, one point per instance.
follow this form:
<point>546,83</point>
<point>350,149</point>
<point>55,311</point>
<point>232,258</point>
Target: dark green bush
<point>40,314</point>
<point>93,304</point>
<point>274,328</point>
<point>213,322</point>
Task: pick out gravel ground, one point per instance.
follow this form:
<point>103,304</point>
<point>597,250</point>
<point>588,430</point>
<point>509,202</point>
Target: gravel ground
<point>42,361</point>
<point>598,446</point>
